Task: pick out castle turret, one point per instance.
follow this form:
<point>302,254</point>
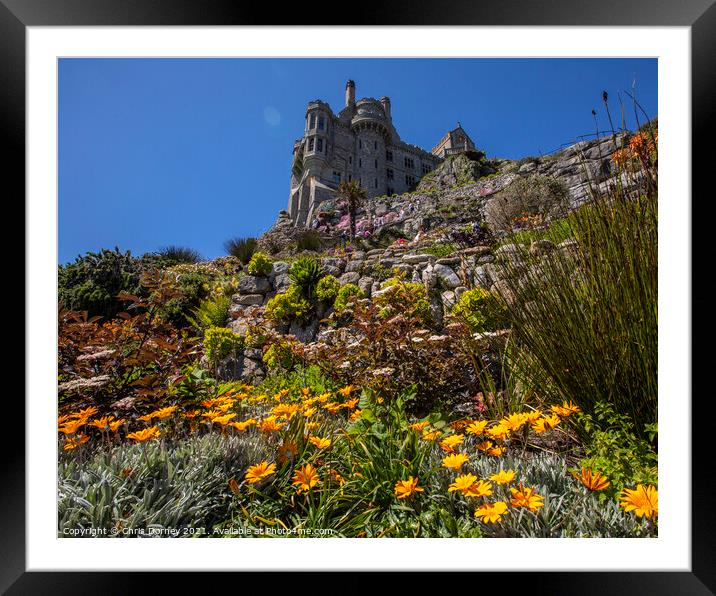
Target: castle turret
<point>385,102</point>
<point>350,94</point>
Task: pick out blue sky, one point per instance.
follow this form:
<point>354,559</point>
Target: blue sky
<point>191,152</point>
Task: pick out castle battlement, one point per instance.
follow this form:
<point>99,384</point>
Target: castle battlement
<point>358,143</point>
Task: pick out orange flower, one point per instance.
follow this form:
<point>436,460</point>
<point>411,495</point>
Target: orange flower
<point>420,426</point>
<point>164,412</point>
<point>319,442</point>
<point>269,424</point>
<point>233,486</point>
<point>592,480</point>
<point>643,501</point>
<point>431,434</point>
<point>74,442</point>
<point>526,497</point>
<point>242,425</point>
<point>346,391</point>
<point>145,434</point>
<point>497,450</point>
<point>114,426</point>
<point>101,423</point>
<point>305,478</point>
<point>287,451</point>
<point>448,444</point>
<point>259,472</point>
<point>484,446</point>
<point>476,427</point>
<point>405,488</point>
<point>566,409</point>
<point>72,426</point>
<point>491,512</point>
<point>223,420</point>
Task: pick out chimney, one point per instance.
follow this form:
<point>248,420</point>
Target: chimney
<point>385,102</point>
<point>350,94</point>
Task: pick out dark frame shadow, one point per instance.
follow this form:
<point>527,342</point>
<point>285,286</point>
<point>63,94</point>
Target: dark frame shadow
<point>700,15</point>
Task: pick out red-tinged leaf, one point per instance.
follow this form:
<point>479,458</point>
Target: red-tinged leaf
<point>124,315</point>
<point>129,297</point>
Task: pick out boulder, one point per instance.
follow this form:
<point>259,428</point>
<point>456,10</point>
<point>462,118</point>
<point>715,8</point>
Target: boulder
<point>248,299</point>
<point>349,278</point>
<point>447,276</point>
<point>366,284</point>
<point>253,284</point>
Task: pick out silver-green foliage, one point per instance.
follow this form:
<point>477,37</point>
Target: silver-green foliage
<point>151,486</point>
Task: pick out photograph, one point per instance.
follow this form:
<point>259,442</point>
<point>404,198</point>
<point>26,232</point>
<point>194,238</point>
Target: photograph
<point>358,297</point>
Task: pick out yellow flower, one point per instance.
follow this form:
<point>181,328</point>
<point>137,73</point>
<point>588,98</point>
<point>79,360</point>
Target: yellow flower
<point>592,480</point>
<point>242,425</point>
<point>323,398</point>
<point>566,409</point>
<point>351,403</point>
<point>459,424</point>
<point>643,501</point>
<point>420,426</point>
<point>312,425</point>
<point>164,412</point>
<point>462,483</point>
<point>146,417</point>
<point>448,444</point>
<point>192,414</point>
<point>114,426</point>
<point>497,450</point>
<point>476,427</point>
<point>287,451</point>
<point>533,416</point>
<point>332,407</point>
<point>545,424</point>
<point>503,477</point>
<point>481,488</point>
<point>74,442</point>
<point>405,488</point>
<point>526,497</point>
<point>514,422</point>
<point>321,443</point>
<point>102,423</point>
<point>431,434</point>
<point>305,392</point>
<point>305,478</point>
<point>269,424</point>
<point>259,472</point>
<point>72,426</point>
<point>455,461</point>
<point>145,434</point>
<point>287,410</point>
<point>223,420</point>
<point>499,431</point>
<point>85,414</point>
<point>484,446</point>
<point>346,391</point>
<point>355,415</point>
<point>491,512</point>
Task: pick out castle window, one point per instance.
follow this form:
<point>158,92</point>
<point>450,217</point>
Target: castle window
<point>426,168</point>
<point>310,144</point>
<point>360,144</point>
<point>375,183</point>
<point>389,191</point>
<point>409,164</point>
<point>321,123</point>
<point>389,174</point>
<point>350,177</point>
<point>388,156</point>
<point>312,122</point>
<point>336,177</point>
<point>376,164</point>
<point>319,145</point>
<point>360,162</point>
<point>409,180</point>
<point>375,145</point>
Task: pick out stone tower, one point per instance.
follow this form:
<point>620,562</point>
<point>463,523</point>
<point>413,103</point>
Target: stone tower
<point>358,143</point>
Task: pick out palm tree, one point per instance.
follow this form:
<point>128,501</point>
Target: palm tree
<point>353,194</point>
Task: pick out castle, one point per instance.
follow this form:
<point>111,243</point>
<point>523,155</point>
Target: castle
<point>359,143</point>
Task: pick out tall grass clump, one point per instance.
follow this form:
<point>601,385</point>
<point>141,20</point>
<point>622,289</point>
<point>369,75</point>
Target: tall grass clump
<point>587,313</point>
<point>241,248</point>
<point>179,254</point>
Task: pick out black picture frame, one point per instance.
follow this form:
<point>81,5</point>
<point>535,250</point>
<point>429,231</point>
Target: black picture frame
<point>700,15</point>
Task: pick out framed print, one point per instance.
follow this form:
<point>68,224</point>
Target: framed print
<point>388,289</point>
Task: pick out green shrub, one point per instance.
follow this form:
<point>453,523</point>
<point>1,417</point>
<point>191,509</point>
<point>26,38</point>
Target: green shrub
<point>328,288</point>
<point>533,196</point>
<point>305,273</point>
<point>241,248</point>
<point>309,240</point>
<point>481,310</point>
<point>211,313</point>
<point>614,449</point>
<point>93,281</point>
<point>220,342</point>
<point>287,307</point>
<point>260,264</point>
<point>440,250</point>
<point>192,288</point>
<point>280,355</point>
<point>408,298</point>
<point>346,295</point>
